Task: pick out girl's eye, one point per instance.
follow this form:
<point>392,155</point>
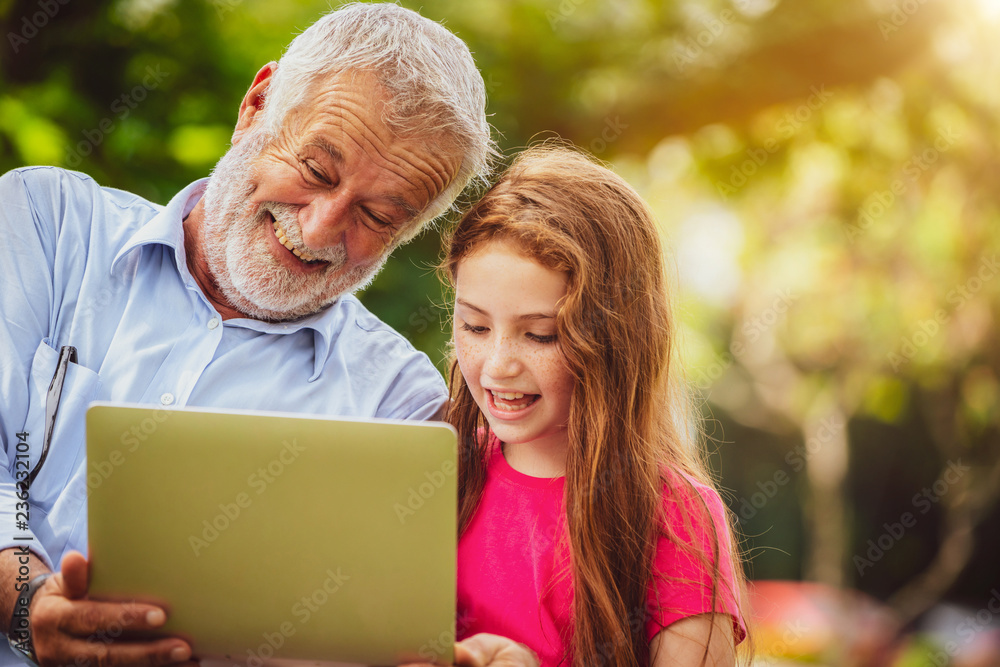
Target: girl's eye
<point>542,339</point>
<point>471,329</point>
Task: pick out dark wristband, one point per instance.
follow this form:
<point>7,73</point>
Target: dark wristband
<point>19,632</point>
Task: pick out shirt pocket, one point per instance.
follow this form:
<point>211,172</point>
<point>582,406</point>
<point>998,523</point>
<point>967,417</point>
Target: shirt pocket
<point>67,450</point>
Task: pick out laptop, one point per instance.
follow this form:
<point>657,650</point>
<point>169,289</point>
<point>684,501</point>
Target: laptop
<point>277,537</point>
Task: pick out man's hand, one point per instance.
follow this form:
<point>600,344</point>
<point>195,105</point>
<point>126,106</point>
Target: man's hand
<point>68,629</point>
<point>485,650</point>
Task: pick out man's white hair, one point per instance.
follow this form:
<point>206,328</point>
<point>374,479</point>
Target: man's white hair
<point>435,90</point>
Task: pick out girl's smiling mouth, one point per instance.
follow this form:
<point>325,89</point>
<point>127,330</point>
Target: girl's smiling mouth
<point>510,401</point>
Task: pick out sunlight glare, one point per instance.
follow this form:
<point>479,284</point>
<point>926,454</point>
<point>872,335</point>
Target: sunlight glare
<point>990,9</point>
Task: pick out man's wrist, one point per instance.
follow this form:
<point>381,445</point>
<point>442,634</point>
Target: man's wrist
<point>19,629</point>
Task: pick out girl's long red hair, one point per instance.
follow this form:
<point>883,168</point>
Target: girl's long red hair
<point>630,422</point>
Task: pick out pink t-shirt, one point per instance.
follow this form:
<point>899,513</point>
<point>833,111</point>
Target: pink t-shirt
<point>514,582</point>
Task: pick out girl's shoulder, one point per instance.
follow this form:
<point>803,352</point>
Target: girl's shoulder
<point>691,506</point>
<point>695,562</point>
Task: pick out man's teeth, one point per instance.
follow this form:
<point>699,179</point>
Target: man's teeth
<point>283,240</point>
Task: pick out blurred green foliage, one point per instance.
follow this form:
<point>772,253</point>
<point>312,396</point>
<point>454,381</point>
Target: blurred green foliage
<point>824,172</point>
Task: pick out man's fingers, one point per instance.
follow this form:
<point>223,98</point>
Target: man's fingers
<point>64,628</point>
<point>97,653</point>
<point>86,633</point>
<point>74,575</point>
<point>83,618</point>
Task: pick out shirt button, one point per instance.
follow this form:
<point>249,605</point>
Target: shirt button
<point>213,323</point>
<point>167,398</point>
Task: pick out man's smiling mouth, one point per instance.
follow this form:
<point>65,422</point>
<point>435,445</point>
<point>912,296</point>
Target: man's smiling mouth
<point>304,255</point>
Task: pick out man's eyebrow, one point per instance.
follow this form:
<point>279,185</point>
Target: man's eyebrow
<point>527,316</point>
<point>409,209</point>
<point>327,148</point>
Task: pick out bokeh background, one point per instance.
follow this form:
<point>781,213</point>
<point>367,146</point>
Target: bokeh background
<point>827,177</point>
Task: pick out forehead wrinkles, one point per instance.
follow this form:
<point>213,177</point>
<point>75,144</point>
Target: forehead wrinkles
<point>412,160</point>
<point>358,117</point>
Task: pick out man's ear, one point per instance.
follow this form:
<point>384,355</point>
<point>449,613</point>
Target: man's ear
<point>253,101</point>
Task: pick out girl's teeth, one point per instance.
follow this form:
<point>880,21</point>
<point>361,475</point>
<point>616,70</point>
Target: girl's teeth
<point>503,400</point>
<point>509,396</point>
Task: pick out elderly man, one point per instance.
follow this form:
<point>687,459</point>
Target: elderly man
<point>234,295</point>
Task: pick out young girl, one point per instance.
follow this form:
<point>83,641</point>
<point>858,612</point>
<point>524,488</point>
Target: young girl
<point>590,532</point>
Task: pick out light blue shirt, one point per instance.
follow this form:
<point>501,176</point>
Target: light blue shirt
<point>105,271</point>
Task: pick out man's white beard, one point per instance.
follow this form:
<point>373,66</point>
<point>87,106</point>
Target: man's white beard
<point>238,250</point>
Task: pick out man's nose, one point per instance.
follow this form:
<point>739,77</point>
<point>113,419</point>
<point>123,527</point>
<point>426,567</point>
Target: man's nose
<point>325,219</point>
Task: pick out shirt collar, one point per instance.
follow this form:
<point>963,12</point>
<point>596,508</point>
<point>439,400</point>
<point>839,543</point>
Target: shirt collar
<point>167,228</point>
<point>323,324</point>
